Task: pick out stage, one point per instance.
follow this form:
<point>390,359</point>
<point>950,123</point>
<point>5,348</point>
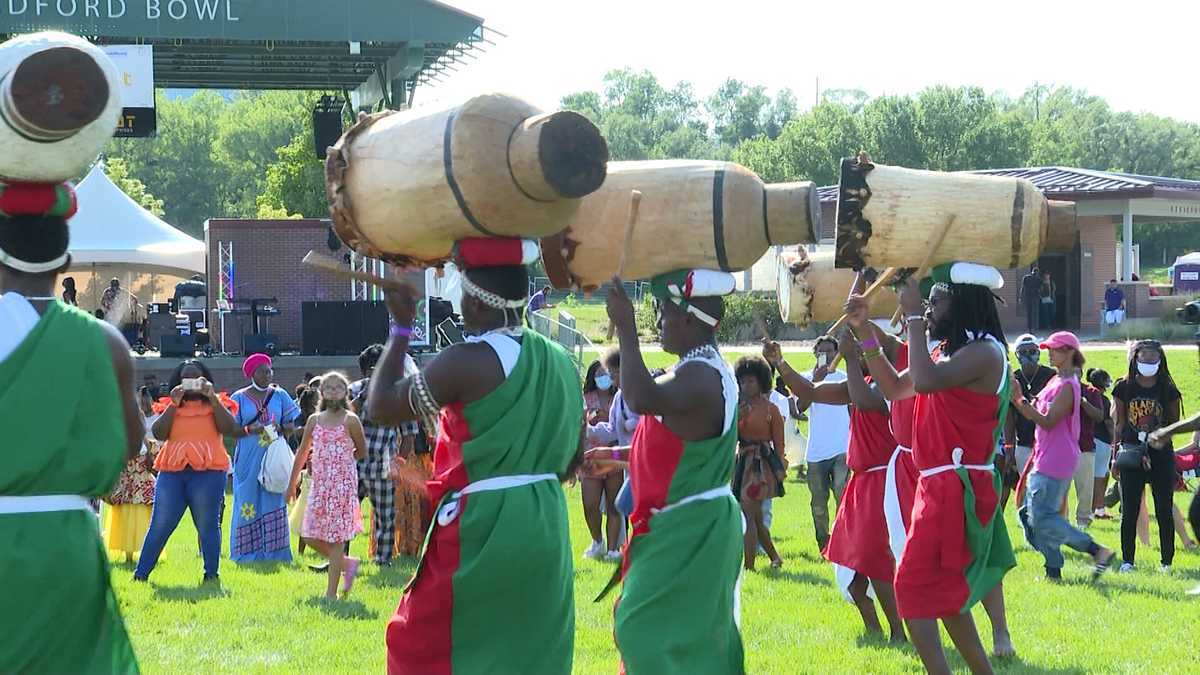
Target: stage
<point>227,370</point>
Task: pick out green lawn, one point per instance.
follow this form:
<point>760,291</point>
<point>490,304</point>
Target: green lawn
<point>794,621</point>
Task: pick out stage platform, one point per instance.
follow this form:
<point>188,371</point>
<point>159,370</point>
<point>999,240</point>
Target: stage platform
<point>227,370</point>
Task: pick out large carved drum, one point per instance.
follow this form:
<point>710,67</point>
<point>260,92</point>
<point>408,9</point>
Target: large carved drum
<point>693,214</point>
<point>812,289</point>
<point>888,215</point>
<point>404,186</point>
<point>59,105</point>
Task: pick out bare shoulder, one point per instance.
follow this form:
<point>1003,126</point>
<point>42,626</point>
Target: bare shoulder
<point>118,348</point>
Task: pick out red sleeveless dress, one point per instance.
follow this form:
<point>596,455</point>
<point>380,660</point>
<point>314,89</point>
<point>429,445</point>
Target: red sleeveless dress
<point>957,548</point>
<point>901,421</point>
<point>859,539</point>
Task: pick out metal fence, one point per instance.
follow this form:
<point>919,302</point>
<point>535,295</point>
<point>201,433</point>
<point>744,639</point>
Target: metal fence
<point>562,330</point>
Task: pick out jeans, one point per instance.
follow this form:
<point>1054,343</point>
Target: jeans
<point>1045,528</point>
<point>1031,314</point>
<point>1085,485</point>
<point>1047,315</point>
<point>824,475</point>
<point>201,491</point>
<point>1161,477</point>
<point>1022,453</point>
<point>1103,459</point>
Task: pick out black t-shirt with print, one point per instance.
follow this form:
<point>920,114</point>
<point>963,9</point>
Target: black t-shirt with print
<point>1145,407</point>
<point>1030,387</point>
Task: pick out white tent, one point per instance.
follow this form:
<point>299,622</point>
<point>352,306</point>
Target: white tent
<point>112,229</point>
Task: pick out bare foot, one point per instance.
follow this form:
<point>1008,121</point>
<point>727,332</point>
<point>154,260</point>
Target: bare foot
<point>1002,647</point>
<point>899,638</point>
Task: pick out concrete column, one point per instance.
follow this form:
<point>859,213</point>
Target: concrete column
<point>1127,242</point>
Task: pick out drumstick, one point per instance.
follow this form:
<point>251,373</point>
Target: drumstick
<point>635,201</point>
<point>925,264</point>
<point>884,277</point>
<point>335,266</point>
<point>837,357</point>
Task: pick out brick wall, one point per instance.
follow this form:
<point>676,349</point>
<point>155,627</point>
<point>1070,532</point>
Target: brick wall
<point>266,255</point>
<point>1098,237</point>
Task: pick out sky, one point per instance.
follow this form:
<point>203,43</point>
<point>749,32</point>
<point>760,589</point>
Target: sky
<point>1140,56</point>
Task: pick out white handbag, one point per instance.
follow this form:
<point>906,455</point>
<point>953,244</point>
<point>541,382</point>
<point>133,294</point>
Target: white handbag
<point>276,471</point>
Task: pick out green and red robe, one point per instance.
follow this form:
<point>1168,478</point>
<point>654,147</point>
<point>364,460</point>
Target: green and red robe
<point>64,434</point>
<point>677,612</point>
<point>494,589</point>
<point>958,547</point>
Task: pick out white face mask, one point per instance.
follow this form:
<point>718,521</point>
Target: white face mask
<point>1147,369</point>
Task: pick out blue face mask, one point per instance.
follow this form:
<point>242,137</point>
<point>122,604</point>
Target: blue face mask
<point>604,381</point>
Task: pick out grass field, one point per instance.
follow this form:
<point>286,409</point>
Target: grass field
<point>271,618</point>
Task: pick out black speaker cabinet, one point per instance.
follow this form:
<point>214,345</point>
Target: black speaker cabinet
<point>177,346</point>
<point>263,343</point>
<point>342,328</point>
<point>327,128</point>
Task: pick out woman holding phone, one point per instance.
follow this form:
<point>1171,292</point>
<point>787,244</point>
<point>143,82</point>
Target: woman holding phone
<point>191,466</point>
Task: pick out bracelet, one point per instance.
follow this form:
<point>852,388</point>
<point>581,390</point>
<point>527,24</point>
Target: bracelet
<point>869,344</point>
<point>396,330</point>
<point>872,353</point>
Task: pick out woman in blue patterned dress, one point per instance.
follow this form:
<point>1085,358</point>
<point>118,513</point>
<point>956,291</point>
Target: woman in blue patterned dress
<point>259,529</point>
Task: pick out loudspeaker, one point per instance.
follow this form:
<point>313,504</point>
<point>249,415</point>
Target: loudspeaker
<point>342,328</point>
<point>263,343</point>
<point>327,124</point>
<point>179,346</point>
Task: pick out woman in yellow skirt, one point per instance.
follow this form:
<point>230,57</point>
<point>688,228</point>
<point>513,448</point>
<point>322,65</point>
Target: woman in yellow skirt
<point>127,517</point>
<point>409,470</point>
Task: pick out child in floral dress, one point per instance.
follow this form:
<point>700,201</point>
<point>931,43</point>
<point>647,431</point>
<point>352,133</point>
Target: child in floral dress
<point>334,439</point>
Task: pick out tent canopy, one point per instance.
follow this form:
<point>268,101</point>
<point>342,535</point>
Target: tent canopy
<point>112,229</point>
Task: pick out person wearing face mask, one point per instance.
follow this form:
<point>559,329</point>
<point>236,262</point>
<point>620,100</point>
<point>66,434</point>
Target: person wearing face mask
<point>1032,376</point>
<point>1144,402</point>
<point>598,394</point>
<point>260,519</point>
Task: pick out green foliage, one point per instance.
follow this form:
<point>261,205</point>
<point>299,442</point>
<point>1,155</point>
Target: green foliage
<point>742,313</point>
<point>295,182</point>
<point>118,172</point>
<point>647,317</point>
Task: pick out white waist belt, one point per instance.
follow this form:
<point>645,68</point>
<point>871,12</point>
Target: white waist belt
<point>901,448</point>
<point>44,504</point>
<point>956,456</point>
<point>881,467</point>
<point>449,510</point>
<point>707,495</point>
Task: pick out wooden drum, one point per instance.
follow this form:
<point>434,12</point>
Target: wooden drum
<point>888,215</point>
<point>693,214</point>
<point>404,186</point>
<point>812,289</point>
<point>59,105</point>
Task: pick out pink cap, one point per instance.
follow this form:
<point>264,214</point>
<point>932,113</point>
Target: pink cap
<point>1060,339</point>
<point>253,362</point>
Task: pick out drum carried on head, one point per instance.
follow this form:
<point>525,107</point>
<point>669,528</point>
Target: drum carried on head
<point>887,215</point>
<point>812,289</point>
<point>404,186</point>
<point>692,215</point>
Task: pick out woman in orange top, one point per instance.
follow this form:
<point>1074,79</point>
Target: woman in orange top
<point>191,466</point>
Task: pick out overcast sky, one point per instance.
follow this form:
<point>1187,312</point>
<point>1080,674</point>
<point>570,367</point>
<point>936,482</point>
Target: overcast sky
<point>1140,56</point>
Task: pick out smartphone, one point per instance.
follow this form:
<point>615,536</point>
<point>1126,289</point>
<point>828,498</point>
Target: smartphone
<point>191,384</point>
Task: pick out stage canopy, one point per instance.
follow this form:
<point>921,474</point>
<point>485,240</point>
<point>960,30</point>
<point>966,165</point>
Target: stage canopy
<point>112,229</point>
<point>375,50</point>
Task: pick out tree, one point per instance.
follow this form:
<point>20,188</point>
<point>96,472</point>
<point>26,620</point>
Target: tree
<point>251,130</point>
<point>739,112</point>
<point>295,182</point>
<point>178,164</point>
<point>118,172</point>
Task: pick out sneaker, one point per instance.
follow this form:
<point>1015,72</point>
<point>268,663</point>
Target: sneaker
<point>1125,567</point>
<point>1194,591</point>
<point>1102,562</point>
<point>321,567</point>
<point>595,551</point>
<point>613,556</point>
<point>1164,569</point>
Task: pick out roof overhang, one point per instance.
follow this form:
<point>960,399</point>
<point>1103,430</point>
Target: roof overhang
<point>1183,206</point>
<point>275,44</point>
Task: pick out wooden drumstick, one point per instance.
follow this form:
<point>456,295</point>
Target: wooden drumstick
<point>335,266</point>
<point>925,264</point>
<point>635,202</point>
<point>884,277</point>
